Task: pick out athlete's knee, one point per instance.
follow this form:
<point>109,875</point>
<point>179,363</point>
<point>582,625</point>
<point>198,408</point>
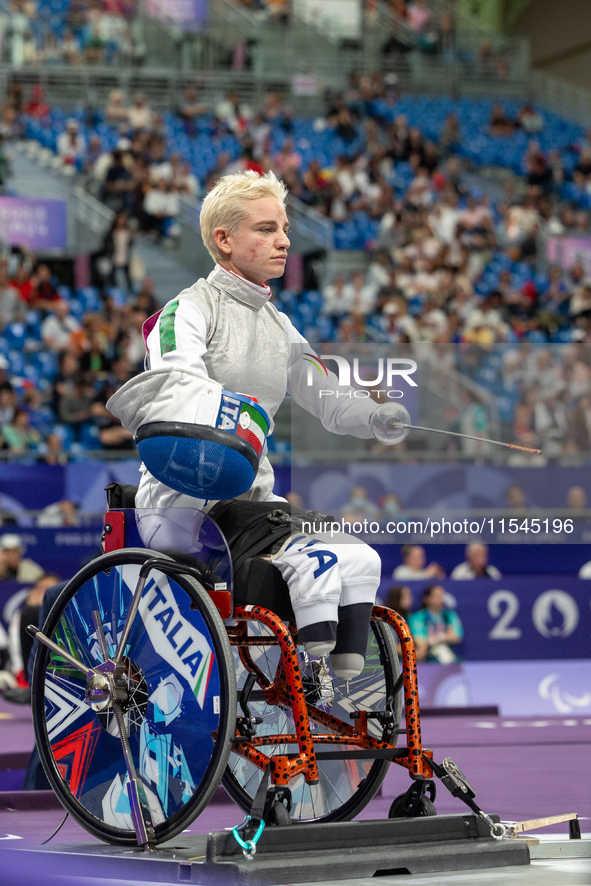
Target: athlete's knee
<point>358,561</point>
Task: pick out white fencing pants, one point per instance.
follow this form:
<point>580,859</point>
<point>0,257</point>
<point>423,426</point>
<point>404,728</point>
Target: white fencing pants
<point>326,573</point>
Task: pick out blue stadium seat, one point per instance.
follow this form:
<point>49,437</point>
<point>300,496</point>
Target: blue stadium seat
<point>15,335</point>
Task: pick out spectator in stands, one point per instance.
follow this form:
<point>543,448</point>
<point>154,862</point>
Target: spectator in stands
<point>40,415</point>
<point>71,145</point>
<point>112,435</point>
<point>435,628</point>
<point>337,299</point>
<point>94,358</point>
<point>413,566</point>
<point>8,399</point>
<point>184,181</point>
<point>400,599</point>
<point>391,508</point>
<point>515,497</point>
<point>61,513</point>
<point>70,48</point>
<point>233,113</point>
<point>18,436</point>
<point>450,138</point>
<point>57,328</point>
<point>500,124</point>
<point>418,15</point>
<point>191,109</point>
<point>23,282</point>
<point>37,107</point>
<point>359,505</point>
<point>287,160</point>
<point>45,294</point>
<point>5,163</point>
<point>117,249</point>
<point>539,174</point>
<point>529,120</point>
<point>134,347</point>
<point>363,295</point>
<point>20,643</point>
<point>145,300</point>
<point>119,184</point>
<point>52,451</point>
<point>476,564</point>
<point>68,367</point>
<point>140,113</point>
<point>14,566</point>
<point>116,112</point>
<point>12,308</point>
<point>74,407</point>
<point>93,153</point>
<point>161,207</point>
<point>576,498</point>
<point>584,162</point>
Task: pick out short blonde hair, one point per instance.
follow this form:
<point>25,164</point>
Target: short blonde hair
<point>224,206</point>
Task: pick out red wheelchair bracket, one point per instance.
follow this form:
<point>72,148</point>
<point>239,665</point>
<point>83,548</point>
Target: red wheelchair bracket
<point>222,600</point>
<point>114,531</point>
<point>415,761</point>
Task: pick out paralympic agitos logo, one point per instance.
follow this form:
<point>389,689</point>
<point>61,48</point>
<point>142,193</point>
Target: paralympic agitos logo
<point>388,370</point>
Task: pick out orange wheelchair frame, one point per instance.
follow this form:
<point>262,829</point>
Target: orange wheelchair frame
<point>287,690</point>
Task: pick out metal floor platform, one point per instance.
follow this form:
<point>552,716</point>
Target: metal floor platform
<point>351,855</point>
<point>308,852</point>
<point>520,780</point>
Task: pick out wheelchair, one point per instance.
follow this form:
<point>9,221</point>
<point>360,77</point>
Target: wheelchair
<point>154,682</point>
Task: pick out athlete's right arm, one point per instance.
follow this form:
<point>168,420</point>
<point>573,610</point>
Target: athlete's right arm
<point>177,339</point>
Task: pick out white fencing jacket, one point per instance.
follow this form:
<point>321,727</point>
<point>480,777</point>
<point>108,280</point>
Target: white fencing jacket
<point>226,330</point>
<point>223,332</point>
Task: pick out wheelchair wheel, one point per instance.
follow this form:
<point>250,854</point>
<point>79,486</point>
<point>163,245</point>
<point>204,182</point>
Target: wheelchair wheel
<point>179,706</point>
<point>346,786</point>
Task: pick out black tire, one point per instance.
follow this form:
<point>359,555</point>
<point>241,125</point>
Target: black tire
<point>172,705</point>
<point>279,816</point>
<point>377,682</point>
<point>425,806</point>
<point>416,802</point>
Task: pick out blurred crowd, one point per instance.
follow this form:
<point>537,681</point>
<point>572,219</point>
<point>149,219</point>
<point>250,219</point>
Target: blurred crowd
<point>435,625</point>
<point>71,32</point>
<point>363,511</point>
<point>446,263</point>
<point>66,353</point>
<point>418,27</point>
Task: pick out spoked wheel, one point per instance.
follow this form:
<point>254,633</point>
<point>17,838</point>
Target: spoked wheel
<point>176,694</point>
<point>346,786</point>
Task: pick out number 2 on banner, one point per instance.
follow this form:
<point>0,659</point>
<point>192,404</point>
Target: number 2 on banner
<point>503,605</point>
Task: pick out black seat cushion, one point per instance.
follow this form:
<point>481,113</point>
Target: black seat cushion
<point>259,583</point>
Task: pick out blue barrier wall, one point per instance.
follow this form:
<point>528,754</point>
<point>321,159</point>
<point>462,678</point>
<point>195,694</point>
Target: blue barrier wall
<point>32,487</point>
<point>516,618</point>
<point>525,619</point>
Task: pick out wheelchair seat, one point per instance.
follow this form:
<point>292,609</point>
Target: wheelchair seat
<point>259,583</point>
<point>256,583</point>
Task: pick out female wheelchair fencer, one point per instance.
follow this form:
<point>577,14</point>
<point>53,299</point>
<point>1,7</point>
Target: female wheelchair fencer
<point>135,705</point>
<point>220,337</point>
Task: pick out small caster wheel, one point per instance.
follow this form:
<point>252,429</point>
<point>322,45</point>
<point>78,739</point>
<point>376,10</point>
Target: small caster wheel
<point>279,815</point>
<point>416,802</point>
